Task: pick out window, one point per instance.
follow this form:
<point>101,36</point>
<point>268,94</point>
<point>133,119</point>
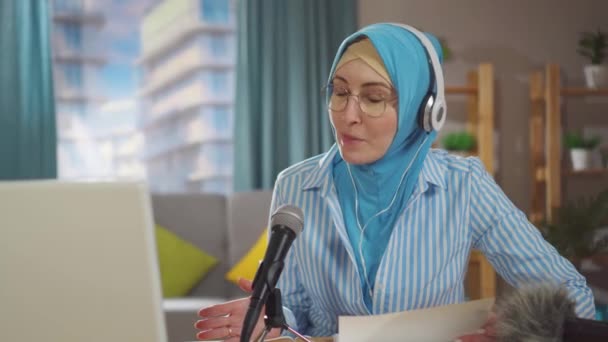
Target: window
<point>218,45</point>
<point>144,105</point>
<point>73,75</point>
<point>72,35</point>
<point>67,5</point>
<point>221,121</point>
<point>218,81</point>
<point>215,11</point>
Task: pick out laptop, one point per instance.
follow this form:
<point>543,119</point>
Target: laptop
<point>78,263</point>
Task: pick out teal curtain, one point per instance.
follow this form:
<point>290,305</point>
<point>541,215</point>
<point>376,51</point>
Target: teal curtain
<point>28,138</point>
<point>285,51</point>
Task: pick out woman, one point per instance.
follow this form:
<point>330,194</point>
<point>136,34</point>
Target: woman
<point>389,222</point>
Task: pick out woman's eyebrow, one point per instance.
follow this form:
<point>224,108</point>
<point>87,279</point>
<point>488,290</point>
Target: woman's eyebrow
<point>341,78</point>
<point>373,84</point>
<point>366,84</point>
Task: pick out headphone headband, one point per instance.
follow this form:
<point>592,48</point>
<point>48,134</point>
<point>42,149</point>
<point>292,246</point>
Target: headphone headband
<point>438,114</point>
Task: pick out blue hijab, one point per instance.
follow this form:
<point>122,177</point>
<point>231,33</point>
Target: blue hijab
<point>387,184</point>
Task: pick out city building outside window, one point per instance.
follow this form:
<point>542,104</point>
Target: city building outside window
<point>145,90</point>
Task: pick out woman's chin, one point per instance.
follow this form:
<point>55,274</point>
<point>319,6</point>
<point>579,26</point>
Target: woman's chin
<point>356,157</point>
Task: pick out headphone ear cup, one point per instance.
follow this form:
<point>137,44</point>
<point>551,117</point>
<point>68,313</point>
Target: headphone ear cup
<point>425,116</point>
<point>437,116</point>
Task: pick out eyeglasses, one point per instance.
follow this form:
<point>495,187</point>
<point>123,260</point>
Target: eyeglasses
<point>371,103</point>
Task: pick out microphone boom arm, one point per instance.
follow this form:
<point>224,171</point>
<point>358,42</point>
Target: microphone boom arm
<point>275,318</point>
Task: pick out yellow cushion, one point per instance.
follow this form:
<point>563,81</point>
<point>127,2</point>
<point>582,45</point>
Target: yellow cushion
<point>248,265</point>
<point>182,265</point>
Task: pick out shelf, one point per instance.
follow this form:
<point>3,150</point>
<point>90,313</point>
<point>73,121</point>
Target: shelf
<point>536,217</point>
<point>546,94</point>
<point>590,172</point>
<point>539,174</point>
<point>581,91</point>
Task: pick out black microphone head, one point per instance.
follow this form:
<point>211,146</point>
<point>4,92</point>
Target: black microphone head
<point>286,224</point>
<point>533,314</point>
<point>289,216</point>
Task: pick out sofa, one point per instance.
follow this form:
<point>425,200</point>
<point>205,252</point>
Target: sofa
<point>225,227</point>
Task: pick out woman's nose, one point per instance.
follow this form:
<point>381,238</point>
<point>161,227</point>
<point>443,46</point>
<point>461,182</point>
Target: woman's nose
<point>352,112</point>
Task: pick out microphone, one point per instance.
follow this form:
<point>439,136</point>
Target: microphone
<point>286,223</point>
<point>544,314</point>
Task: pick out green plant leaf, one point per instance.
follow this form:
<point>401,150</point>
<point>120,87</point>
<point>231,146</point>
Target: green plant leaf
<point>592,45</point>
<point>574,231</point>
<point>459,141</point>
<point>575,140</point>
<point>445,49</point>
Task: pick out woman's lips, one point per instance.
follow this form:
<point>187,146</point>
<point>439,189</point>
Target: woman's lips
<point>349,139</point>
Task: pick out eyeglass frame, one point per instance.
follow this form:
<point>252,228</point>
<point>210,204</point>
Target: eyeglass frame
<point>328,90</point>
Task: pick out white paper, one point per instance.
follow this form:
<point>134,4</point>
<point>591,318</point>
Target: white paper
<point>438,324</point>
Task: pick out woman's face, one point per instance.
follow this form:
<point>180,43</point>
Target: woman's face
<point>362,138</point>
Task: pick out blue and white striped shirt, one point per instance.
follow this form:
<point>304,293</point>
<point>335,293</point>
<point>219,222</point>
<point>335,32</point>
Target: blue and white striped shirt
<point>456,206</point>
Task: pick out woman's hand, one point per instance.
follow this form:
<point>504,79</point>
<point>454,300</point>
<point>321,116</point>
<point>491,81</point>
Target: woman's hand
<point>225,321</point>
<point>487,333</point>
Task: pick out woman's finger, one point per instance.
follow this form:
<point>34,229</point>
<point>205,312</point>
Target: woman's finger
<point>473,338</point>
<point>478,336</point>
<point>490,325</point>
<point>212,323</point>
<point>491,319</point>
<point>245,285</point>
<point>215,311</point>
<point>216,334</point>
<point>223,309</point>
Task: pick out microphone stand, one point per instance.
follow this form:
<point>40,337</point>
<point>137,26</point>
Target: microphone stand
<point>275,318</point>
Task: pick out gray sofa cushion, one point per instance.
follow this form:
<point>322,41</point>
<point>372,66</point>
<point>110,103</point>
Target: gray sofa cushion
<point>201,220</point>
<point>248,215</point>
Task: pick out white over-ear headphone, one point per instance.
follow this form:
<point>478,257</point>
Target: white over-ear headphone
<point>433,109</point>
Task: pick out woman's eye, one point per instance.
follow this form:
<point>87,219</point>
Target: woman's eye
<point>340,91</point>
<point>375,98</point>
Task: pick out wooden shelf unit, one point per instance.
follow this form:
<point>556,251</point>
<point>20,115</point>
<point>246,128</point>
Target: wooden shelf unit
<point>577,91</point>
<point>479,90</point>
<point>588,173</point>
<point>546,93</point>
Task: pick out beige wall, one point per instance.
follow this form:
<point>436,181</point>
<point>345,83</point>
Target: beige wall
<point>518,36</point>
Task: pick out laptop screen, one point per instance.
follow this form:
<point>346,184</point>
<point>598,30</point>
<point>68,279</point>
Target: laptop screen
<point>78,263</point>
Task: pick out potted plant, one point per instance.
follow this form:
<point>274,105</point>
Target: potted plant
<point>574,232</point>
<point>581,149</point>
<point>592,45</point>
<point>446,51</point>
<point>461,143</point>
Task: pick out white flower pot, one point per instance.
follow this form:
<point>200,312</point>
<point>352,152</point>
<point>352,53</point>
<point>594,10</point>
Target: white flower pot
<point>460,153</point>
<point>596,76</point>
<point>581,159</point>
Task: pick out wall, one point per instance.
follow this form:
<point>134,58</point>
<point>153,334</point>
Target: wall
<point>518,36</point>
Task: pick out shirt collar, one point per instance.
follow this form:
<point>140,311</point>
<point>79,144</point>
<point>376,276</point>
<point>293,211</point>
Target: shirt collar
<point>433,172</point>
<point>434,169</point>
